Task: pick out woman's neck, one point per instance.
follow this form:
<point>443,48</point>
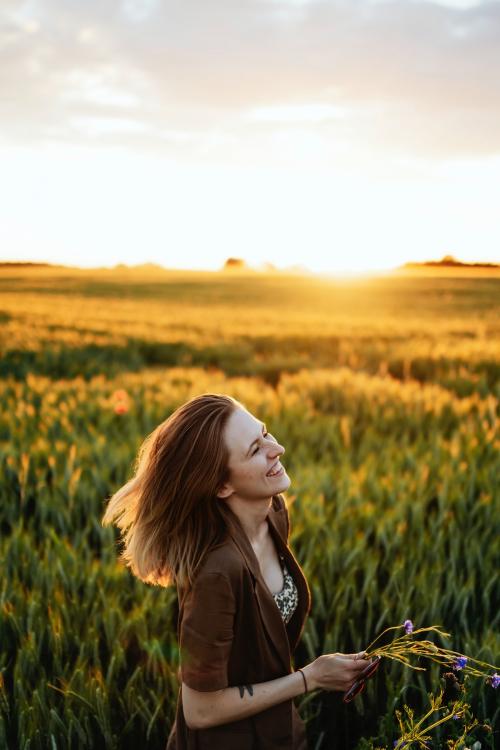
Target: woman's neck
<point>252,515</point>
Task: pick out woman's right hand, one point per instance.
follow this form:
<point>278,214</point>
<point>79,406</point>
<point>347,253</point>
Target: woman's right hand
<point>335,671</point>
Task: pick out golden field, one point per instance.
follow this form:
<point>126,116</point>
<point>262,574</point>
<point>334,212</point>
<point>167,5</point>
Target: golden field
<point>384,391</point>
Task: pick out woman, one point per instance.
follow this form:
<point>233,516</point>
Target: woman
<point>205,511</point>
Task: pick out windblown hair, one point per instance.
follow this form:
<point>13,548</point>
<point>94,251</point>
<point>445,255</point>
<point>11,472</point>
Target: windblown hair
<point>168,512</point>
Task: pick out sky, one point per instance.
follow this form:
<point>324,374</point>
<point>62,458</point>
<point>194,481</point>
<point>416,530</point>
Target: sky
<point>337,135</point>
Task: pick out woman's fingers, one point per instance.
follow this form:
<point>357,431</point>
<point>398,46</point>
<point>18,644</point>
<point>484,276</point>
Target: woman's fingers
<point>358,661</point>
<point>339,671</point>
<point>357,656</point>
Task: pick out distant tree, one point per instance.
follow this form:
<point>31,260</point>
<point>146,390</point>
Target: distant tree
<point>22,264</point>
<point>232,264</point>
<point>449,261</point>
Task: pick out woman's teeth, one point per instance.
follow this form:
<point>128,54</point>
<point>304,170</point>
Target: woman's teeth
<point>276,471</point>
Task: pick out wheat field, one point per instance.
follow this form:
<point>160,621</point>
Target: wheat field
<point>385,393</point>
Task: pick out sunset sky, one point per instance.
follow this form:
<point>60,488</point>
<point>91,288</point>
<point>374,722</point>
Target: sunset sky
<point>337,135</point>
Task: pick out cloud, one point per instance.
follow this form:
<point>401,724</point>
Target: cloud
<point>403,77</point>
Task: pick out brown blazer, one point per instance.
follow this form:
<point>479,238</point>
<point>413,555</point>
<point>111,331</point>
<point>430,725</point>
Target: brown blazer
<point>231,633</point>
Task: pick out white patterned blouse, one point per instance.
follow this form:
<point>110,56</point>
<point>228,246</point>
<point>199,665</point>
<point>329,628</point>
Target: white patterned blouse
<point>288,598</point>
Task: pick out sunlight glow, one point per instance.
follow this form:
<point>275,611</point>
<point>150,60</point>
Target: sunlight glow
<point>102,207</point>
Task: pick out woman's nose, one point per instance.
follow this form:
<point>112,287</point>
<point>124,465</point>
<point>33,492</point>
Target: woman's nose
<point>276,449</point>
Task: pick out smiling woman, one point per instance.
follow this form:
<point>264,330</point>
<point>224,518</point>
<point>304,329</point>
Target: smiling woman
<point>205,511</point>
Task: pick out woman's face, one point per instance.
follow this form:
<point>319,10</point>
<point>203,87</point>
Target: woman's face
<point>255,470</point>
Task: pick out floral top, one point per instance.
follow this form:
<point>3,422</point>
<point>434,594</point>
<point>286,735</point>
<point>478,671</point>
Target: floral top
<point>288,598</point>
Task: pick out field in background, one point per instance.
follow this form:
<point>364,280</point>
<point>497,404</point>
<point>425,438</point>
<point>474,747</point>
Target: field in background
<point>385,394</point>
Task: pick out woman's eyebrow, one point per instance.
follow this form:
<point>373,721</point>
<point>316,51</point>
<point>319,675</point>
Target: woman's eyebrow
<point>264,429</point>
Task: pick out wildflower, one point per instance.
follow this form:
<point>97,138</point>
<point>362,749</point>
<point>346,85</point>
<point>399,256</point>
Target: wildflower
<point>495,680</point>
<point>121,408</point>
<point>460,662</point>
<point>456,716</point>
<point>408,626</point>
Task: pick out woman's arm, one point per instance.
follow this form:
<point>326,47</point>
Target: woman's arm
<point>210,709</point>
<point>203,709</point>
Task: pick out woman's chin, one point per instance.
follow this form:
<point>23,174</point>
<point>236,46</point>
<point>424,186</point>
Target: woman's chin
<point>284,484</point>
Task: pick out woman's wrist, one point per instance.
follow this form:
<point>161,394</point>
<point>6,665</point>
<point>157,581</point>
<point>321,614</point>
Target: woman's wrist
<point>301,672</point>
<point>308,677</point>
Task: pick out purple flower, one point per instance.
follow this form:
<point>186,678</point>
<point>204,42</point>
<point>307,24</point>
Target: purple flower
<point>495,680</point>
<point>408,626</point>
<point>460,662</point>
<point>456,716</point>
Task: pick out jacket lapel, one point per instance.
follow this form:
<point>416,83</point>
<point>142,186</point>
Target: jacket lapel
<point>270,614</point>
<point>279,528</point>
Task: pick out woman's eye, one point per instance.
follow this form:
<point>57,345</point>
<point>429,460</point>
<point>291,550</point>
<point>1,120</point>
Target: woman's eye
<point>265,434</point>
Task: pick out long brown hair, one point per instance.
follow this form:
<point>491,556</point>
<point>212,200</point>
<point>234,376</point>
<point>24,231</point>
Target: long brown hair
<point>168,512</point>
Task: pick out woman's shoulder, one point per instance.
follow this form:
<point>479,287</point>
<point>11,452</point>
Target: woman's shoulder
<point>222,560</point>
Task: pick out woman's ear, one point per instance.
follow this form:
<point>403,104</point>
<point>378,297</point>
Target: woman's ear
<point>224,491</point>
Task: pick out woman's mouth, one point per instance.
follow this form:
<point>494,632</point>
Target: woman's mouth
<point>276,471</point>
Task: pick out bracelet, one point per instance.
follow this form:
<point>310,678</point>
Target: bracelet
<point>304,678</point>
